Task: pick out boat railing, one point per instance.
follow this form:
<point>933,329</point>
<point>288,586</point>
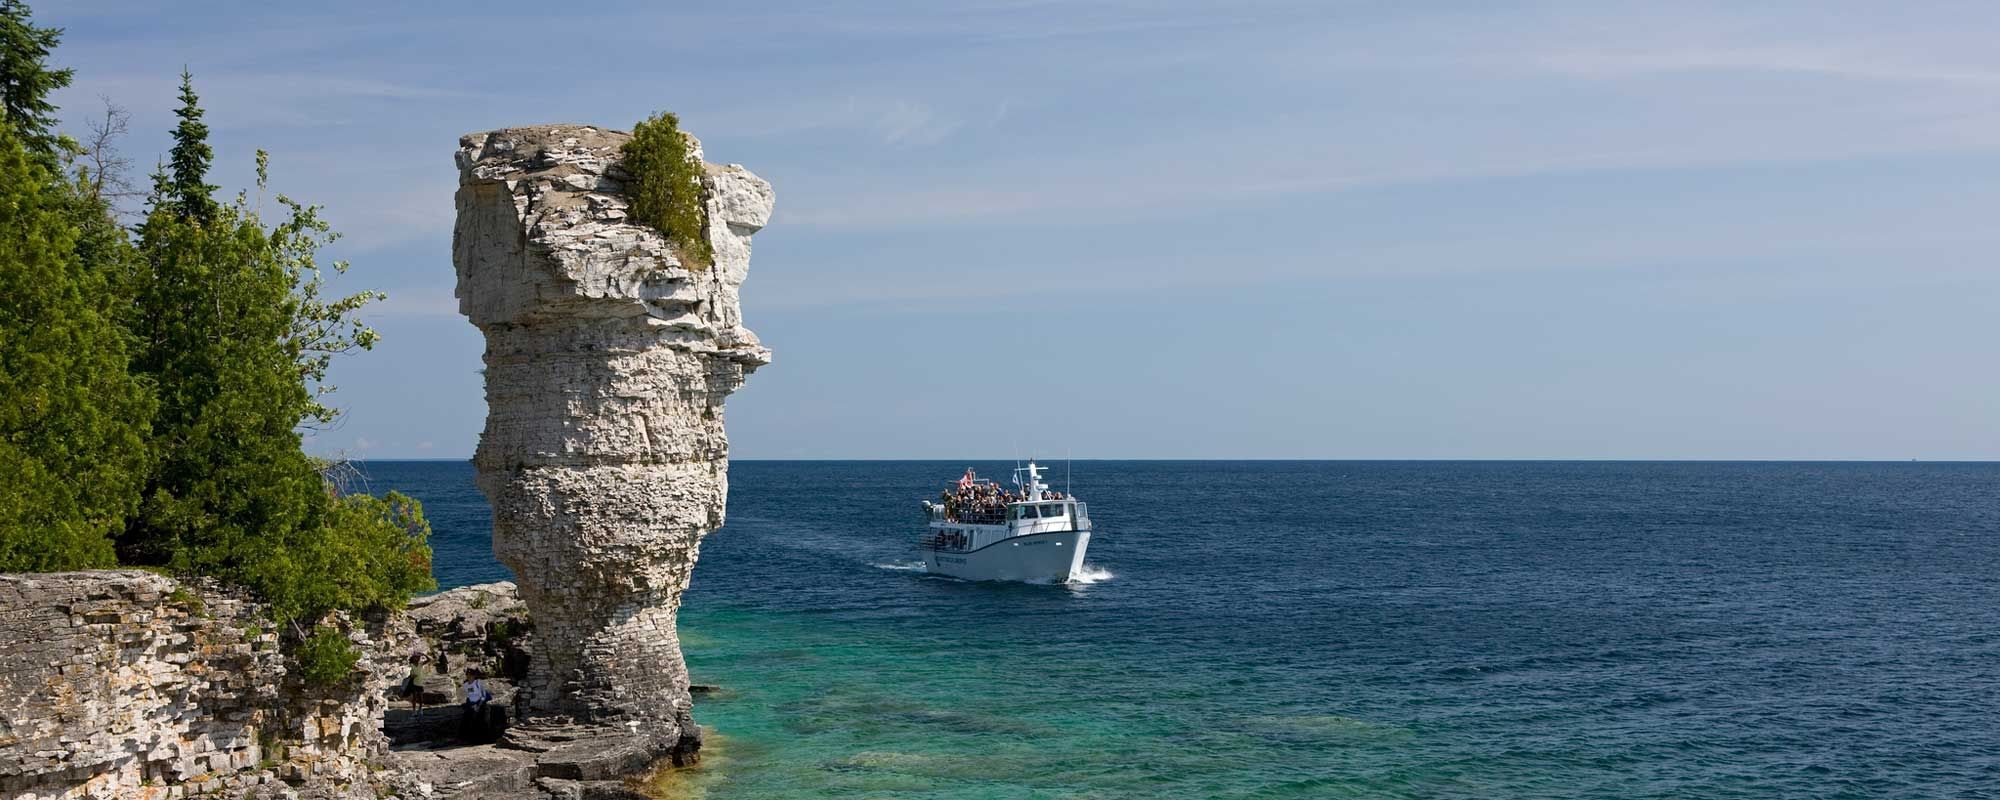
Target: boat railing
<point>948,541</point>
<point>985,515</point>
<point>996,516</point>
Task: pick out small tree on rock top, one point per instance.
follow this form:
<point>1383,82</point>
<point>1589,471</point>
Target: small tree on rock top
<point>667,190</point>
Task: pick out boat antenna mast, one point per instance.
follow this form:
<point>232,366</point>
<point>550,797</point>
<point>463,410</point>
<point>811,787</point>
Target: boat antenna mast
<point>1033,488</point>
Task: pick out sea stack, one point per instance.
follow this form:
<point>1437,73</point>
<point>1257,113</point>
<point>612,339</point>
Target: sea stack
<point>607,362</point>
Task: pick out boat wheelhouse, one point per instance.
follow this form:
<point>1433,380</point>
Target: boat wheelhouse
<point>978,531</point>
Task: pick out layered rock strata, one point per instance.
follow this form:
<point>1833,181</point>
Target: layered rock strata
<point>127,684</point>
<point>607,362</point>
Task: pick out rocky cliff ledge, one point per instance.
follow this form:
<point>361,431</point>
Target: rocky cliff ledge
<point>126,684</point>
<point>604,456</point>
<point>118,684</point>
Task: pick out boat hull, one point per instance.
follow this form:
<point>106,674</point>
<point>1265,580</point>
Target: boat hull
<point>1054,557</point>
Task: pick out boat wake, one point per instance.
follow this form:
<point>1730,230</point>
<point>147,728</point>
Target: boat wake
<point>902,566</point>
<point>1093,574</point>
<point>1088,576</point>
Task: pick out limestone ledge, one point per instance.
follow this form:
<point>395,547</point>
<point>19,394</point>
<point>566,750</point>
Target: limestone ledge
<point>125,684</point>
<point>543,222</point>
<point>128,684</point>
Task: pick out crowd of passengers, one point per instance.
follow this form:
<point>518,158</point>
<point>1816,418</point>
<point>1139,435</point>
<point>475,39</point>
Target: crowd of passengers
<point>982,503</point>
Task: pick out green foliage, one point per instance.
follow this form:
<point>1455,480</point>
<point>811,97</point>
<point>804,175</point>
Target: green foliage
<point>667,189</point>
<point>370,552</point>
<point>271,743</point>
<point>153,382</point>
<point>326,657</point>
<point>26,81</point>
<point>233,337</point>
<point>505,630</point>
<point>321,328</point>
<point>229,481</point>
<point>180,596</point>
<point>72,420</point>
<point>188,190</point>
<point>236,336</point>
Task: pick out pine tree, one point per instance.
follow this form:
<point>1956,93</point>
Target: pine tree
<point>190,193</point>
<point>26,81</point>
<point>72,420</point>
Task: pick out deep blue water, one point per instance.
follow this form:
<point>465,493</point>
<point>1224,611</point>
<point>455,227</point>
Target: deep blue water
<point>1350,629</point>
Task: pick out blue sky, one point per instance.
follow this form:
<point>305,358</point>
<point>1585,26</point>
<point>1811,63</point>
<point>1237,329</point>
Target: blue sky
<point>1195,230</point>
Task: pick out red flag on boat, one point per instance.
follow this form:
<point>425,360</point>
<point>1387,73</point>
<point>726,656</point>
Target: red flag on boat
<point>966,482</point>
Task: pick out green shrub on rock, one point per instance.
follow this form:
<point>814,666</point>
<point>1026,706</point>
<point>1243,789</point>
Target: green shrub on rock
<point>667,188</point>
<point>371,553</point>
<point>326,657</point>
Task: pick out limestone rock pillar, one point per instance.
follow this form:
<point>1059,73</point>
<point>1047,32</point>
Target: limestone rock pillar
<point>604,456</point>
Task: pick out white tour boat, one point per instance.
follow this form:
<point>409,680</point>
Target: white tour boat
<point>978,532</point>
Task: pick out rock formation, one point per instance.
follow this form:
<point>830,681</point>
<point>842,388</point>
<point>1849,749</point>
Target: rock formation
<point>127,684</point>
<point>470,632</point>
<point>607,363</point>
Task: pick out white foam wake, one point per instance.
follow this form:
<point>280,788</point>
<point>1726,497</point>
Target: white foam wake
<point>902,566</point>
<point>1093,574</point>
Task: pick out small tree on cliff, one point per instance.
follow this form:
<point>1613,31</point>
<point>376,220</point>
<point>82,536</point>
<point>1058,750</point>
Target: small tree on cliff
<point>72,419</point>
<point>667,190</point>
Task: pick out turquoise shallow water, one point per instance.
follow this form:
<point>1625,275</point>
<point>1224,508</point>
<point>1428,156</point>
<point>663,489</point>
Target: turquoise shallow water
<point>1337,629</point>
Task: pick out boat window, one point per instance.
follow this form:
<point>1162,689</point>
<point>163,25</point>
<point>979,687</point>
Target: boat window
<point>1024,512</point>
<point>1052,510</point>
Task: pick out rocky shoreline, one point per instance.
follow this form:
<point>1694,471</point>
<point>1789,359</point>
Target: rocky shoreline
<point>134,685</point>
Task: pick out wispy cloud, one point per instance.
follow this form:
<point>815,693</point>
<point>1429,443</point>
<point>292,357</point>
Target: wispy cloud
<point>1800,59</point>
<point>881,120</point>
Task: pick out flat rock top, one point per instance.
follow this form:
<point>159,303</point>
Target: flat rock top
<point>539,150</point>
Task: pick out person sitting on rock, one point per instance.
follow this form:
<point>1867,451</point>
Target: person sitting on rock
<point>473,724</point>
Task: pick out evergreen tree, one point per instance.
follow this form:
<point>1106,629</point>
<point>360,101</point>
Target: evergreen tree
<point>72,420</point>
<point>189,191</point>
<point>235,336</point>
<point>154,389</point>
<point>668,187</point>
<point>26,80</point>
